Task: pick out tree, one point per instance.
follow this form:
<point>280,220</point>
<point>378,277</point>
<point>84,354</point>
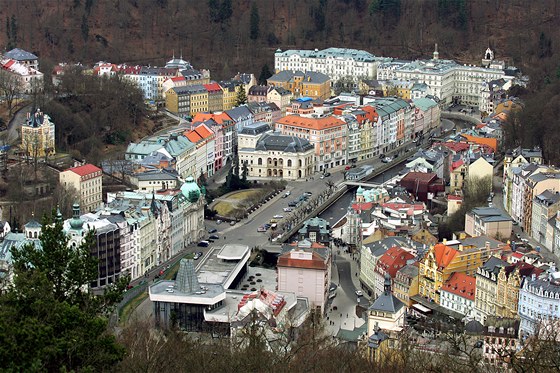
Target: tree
<point>244,172</point>
<point>254,22</point>
<point>214,10</point>
<point>226,10</point>
<point>241,96</point>
<point>10,88</point>
<point>48,318</point>
<point>265,74</point>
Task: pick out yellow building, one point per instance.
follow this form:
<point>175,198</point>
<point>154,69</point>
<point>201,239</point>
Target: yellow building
<point>230,94</point>
<point>457,176</point>
<point>37,135</point>
<point>187,100</point>
<point>405,284</point>
<point>309,84</point>
<point>404,89</point>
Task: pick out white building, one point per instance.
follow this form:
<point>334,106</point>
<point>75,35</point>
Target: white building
<point>337,63</point>
<point>457,294</point>
<point>539,305</point>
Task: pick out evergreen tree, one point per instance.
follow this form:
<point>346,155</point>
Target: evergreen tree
<point>244,172</point>
<point>214,10</point>
<point>226,10</point>
<point>49,321</point>
<point>254,22</point>
<point>265,74</point>
<point>241,96</point>
<point>85,28</point>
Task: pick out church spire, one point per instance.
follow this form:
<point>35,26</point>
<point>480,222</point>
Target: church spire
<point>436,53</point>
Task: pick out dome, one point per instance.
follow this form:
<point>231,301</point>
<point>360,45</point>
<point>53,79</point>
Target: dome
<point>190,189</point>
<point>360,191</point>
<point>76,222</point>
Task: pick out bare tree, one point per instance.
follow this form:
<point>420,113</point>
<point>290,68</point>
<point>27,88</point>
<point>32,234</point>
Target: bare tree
<point>10,88</point>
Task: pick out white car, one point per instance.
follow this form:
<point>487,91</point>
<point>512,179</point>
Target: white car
<point>288,209</point>
<point>387,160</point>
<point>278,216</point>
<point>359,293</point>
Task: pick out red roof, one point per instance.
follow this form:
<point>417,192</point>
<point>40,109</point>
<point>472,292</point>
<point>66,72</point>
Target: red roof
<point>517,255</point>
<point>461,284</point>
<point>422,177</point>
<point>178,79</point>
<point>212,87</point>
<point>454,197</point>
<point>316,262</point>
<point>457,164</point>
<point>394,259</point>
<point>218,118</point>
<point>84,170</point>
<point>9,63</point>
<point>457,147</point>
<point>444,255</point>
<point>362,206</point>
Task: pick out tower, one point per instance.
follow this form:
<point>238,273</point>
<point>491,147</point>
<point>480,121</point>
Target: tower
<point>488,57</point>
<point>436,53</point>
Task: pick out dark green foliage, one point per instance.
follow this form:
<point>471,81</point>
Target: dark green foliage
<point>453,13</point>
<point>226,10</point>
<point>254,22</point>
<point>265,74</point>
<point>545,46</point>
<point>47,321</point>
<point>85,28</point>
<point>389,9</point>
<point>88,6</point>
<point>272,39</point>
<point>11,32</point>
<point>214,10</point>
<point>220,12</point>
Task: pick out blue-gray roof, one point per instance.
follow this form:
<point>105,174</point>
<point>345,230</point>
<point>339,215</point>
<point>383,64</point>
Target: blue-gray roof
<point>308,76</point>
<point>284,143</point>
<point>20,55</point>
<point>256,128</point>
<point>356,54</point>
<point>490,214</point>
<point>239,113</point>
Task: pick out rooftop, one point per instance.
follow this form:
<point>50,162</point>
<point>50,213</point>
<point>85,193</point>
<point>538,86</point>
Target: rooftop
<point>461,284</point>
<point>84,170</point>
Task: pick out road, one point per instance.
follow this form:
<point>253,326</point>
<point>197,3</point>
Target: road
<point>12,133</point>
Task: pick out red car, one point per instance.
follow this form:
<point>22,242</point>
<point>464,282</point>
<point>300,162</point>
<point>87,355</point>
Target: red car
<point>347,168</point>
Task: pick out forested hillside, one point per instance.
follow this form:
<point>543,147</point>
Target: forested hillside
<point>229,36</point>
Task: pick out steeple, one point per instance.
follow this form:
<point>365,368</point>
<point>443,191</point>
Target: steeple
<point>387,285</point>
<point>58,214</point>
<point>436,53</point>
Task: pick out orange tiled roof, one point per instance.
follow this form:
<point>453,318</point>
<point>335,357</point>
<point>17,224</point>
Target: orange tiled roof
<point>444,255</point>
<point>84,170</point>
<point>198,133</point>
<point>461,285</point>
<point>311,123</point>
<point>218,118</point>
<point>488,141</point>
<point>394,259</point>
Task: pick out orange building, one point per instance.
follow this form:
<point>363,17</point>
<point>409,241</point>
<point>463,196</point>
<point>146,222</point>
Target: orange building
<point>327,135</point>
<point>307,84</point>
<point>487,141</point>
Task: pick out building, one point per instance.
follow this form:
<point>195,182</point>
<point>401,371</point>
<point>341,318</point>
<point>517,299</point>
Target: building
<point>257,93</point>
<point>545,207</point>
<point>188,100</point>
<point>509,283</point>
<point>327,134</point>
<point>281,97</point>
<point>395,125</point>
<point>423,186</point>
<point>188,301</point>
<point>37,136</point>
<point>307,274</point>
<point>512,161</point>
<point>500,341</point>
<point>337,63</point>
<point>487,288</point>
<point>87,181</point>
<point>388,265</point>
<point>29,79</point>
<point>488,221</point>
<point>405,283</point>
<point>23,57</point>
<point>204,140</point>
<point>457,175</point>
<point>278,156</point>
<point>150,181</point>
<point>303,84</point>
<point>457,294</point>
<point>316,230</point>
<point>215,97</point>
<point>480,169</point>
<point>386,312</point>
<point>539,306</point>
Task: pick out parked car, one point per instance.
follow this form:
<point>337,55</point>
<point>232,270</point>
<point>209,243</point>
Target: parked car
<point>309,194</point>
<point>288,209</point>
<point>293,204</point>
<point>327,174</point>
<point>387,160</point>
<point>203,244</point>
<point>278,216</point>
<point>287,194</point>
<point>213,230</point>
<point>347,168</point>
<point>210,240</point>
<point>197,256</point>
<point>359,293</point>
<point>261,229</point>
<point>214,237</point>
<point>218,221</point>
<point>381,156</point>
<point>232,222</point>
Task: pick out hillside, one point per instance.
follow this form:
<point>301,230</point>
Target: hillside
<point>148,31</point>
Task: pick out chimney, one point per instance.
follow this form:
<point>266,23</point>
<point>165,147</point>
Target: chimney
<point>487,245</point>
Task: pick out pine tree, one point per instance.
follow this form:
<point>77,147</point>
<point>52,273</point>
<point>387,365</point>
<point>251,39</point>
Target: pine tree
<point>48,318</point>
<point>241,96</point>
<point>226,10</point>
<point>254,22</point>
<point>265,74</point>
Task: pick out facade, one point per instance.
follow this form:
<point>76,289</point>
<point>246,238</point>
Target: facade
<point>545,206</point>
<point>189,100</point>
<point>204,140</point>
<point>388,265</point>
<point>24,57</point>
<point>29,79</point>
<point>215,97</point>
<point>316,230</point>
<point>457,294</point>
<point>500,341</point>
<point>396,122</point>
<point>278,156</point>
<point>257,93</point>
<point>405,283</point>
<point>488,221</point>
<point>512,161</point>
<point>327,135</point>
<point>307,274</point>
<point>457,176</point>
<point>487,288</point>
<point>87,181</point>
<point>150,181</point>
<point>303,84</point>
<point>386,312</point>
<point>37,135</point>
<point>539,306</point>
<point>337,63</point>
<point>281,97</point>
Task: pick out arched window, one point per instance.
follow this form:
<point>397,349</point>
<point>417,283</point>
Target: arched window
<point>260,161</point>
<point>289,163</point>
<point>300,163</point>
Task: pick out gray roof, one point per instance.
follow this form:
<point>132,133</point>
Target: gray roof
<point>386,302</point>
<point>254,129</point>
<point>308,76</point>
<point>239,113</point>
<point>548,197</point>
<point>258,90</point>
<point>285,143</point>
<point>409,270</point>
<point>544,283</point>
<point>494,265</point>
<point>190,89</point>
<point>33,224</point>
<point>20,55</point>
<point>155,175</point>
<point>490,214</point>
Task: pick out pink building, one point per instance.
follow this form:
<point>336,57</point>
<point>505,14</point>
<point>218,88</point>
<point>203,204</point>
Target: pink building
<point>307,274</point>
